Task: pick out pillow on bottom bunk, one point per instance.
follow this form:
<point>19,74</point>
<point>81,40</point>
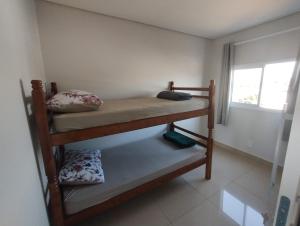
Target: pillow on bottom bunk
<point>179,139</point>
<point>81,167</point>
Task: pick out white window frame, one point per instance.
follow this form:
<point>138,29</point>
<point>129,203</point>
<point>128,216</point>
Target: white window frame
<point>250,66</point>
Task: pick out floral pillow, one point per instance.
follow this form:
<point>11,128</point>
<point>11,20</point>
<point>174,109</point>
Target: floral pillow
<point>74,101</point>
<point>82,167</point>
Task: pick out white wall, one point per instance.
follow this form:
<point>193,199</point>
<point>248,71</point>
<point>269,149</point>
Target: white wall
<point>255,131</point>
<point>21,195</point>
<point>116,58</point>
<point>290,181</point>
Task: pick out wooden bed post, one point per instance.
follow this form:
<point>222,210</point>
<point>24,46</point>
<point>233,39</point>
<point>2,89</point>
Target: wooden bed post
<point>210,125</point>
<point>40,113</point>
<point>53,88</point>
<point>171,88</point>
<point>54,91</point>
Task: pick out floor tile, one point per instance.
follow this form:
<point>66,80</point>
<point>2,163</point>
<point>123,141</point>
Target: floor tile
<point>229,164</point>
<point>136,212</point>
<point>139,212</point>
<point>259,184</point>
<point>238,202</point>
<point>177,198</point>
<point>197,180</point>
<point>104,219</point>
<point>205,215</point>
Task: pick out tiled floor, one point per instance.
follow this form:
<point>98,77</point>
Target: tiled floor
<point>238,194</point>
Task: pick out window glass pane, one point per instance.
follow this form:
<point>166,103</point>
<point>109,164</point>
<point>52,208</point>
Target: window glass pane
<point>275,84</point>
<point>246,84</point>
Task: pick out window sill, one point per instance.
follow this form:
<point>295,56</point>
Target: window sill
<point>253,108</point>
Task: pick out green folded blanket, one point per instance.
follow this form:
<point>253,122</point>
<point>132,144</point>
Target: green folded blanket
<point>179,139</point>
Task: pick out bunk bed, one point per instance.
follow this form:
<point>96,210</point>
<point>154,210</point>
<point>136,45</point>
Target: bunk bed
<point>54,131</point>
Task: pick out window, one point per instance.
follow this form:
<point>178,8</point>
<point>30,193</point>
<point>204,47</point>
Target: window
<point>275,84</point>
<point>246,83</point>
<point>263,86</point>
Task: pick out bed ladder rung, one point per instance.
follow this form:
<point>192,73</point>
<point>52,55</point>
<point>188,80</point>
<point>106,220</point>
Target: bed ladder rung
<point>200,96</point>
<point>190,132</point>
<point>190,88</point>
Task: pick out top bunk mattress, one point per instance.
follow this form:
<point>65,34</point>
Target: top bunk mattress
<point>125,110</point>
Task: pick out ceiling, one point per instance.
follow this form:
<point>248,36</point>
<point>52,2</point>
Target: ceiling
<point>205,18</point>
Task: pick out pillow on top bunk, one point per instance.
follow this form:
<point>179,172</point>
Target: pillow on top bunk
<point>170,95</point>
<point>74,101</point>
<point>81,167</point>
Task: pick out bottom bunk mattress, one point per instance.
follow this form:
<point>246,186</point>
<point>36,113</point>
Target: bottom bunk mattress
<point>128,166</point>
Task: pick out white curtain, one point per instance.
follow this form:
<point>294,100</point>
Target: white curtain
<point>225,85</point>
<point>292,97</point>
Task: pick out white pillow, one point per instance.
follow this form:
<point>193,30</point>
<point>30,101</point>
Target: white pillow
<point>82,167</point>
<point>74,101</point>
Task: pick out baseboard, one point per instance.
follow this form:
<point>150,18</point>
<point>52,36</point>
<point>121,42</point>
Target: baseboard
<point>242,153</point>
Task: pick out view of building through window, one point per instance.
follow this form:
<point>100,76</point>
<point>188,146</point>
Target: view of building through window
<point>264,86</point>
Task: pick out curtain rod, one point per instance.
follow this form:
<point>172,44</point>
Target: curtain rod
<point>266,36</point>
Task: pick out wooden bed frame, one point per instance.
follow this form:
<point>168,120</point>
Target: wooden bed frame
<point>51,140</point>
